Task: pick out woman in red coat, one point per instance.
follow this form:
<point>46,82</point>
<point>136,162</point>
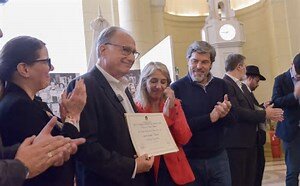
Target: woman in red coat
<point>154,95</point>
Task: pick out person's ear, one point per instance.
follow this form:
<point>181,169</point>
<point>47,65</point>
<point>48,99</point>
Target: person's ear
<point>101,49</point>
<point>211,64</point>
<point>22,69</point>
<point>241,66</point>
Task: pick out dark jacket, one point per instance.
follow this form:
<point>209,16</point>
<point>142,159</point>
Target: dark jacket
<point>284,98</point>
<point>108,154</point>
<point>243,133</point>
<point>12,172</point>
<point>21,117</point>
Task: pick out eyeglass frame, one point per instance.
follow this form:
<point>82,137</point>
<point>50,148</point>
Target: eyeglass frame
<point>126,50</point>
<point>48,60</point>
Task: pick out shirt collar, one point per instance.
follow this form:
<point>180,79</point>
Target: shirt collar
<point>123,82</point>
<point>236,80</point>
<point>211,77</point>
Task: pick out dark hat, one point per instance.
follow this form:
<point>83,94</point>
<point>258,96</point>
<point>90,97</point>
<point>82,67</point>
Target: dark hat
<point>253,70</point>
<point>296,63</point>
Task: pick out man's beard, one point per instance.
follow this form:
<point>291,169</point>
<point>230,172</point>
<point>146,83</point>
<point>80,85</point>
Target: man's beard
<point>200,78</point>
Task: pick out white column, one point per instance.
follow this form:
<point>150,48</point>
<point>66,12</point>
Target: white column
<point>158,19</point>
<point>135,16</point>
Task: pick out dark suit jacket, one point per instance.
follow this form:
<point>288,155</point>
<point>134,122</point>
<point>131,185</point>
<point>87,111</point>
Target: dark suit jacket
<point>12,172</point>
<point>243,133</point>
<point>108,154</point>
<point>261,134</point>
<point>284,98</point>
<point>21,117</point>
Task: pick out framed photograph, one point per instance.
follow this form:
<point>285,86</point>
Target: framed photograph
<point>52,93</point>
<point>133,77</point>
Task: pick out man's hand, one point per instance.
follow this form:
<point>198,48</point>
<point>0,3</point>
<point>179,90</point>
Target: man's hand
<point>40,156</point>
<point>144,163</point>
<point>214,115</point>
<point>274,114</point>
<point>297,90</point>
<point>266,104</point>
<point>45,134</point>
<point>75,143</point>
<point>41,152</point>
<point>220,110</point>
<point>68,150</point>
<point>224,107</point>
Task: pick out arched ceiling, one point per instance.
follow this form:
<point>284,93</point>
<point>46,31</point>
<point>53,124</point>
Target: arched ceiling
<point>200,7</point>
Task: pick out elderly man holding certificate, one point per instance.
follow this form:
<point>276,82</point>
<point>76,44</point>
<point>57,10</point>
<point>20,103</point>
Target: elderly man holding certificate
<point>109,156</point>
<point>154,96</point>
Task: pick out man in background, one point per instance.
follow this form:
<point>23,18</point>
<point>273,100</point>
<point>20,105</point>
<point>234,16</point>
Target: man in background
<point>253,77</point>
<point>207,109</point>
<point>286,95</point>
<point>241,138</point>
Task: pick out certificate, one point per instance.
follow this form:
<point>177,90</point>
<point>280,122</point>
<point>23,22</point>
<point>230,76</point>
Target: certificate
<point>150,134</point>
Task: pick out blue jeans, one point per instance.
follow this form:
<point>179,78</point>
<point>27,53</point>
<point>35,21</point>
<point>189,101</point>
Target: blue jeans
<point>292,161</point>
<point>213,171</point>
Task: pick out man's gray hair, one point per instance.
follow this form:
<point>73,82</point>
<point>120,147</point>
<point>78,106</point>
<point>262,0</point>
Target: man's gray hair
<point>106,35</point>
<point>232,61</point>
<point>201,47</point>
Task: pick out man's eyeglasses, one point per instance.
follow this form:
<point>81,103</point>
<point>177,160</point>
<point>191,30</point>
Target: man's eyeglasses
<point>126,50</point>
<point>48,61</point>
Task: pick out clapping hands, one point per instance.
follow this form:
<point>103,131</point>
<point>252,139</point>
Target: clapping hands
<point>73,103</point>
<point>220,110</point>
<point>274,114</point>
<point>170,100</point>
<point>38,153</point>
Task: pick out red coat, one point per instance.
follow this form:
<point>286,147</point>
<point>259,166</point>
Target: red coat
<point>177,163</point>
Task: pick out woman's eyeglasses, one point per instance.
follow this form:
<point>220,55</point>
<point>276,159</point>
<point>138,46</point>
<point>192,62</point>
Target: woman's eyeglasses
<point>48,61</point>
<point>126,50</point>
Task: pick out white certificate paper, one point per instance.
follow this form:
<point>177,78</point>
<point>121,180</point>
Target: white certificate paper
<point>150,134</point>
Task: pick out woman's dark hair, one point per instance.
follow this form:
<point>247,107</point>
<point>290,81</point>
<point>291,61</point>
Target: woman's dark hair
<point>19,49</point>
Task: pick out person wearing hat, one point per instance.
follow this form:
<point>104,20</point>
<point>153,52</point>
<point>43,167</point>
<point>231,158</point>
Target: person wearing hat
<point>241,140</point>
<point>286,95</point>
<point>253,77</point>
